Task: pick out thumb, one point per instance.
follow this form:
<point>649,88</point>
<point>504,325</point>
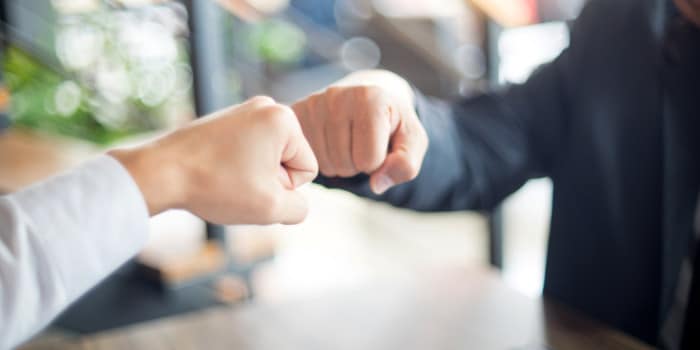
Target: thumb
<point>298,159</point>
<point>395,170</point>
<point>408,146</point>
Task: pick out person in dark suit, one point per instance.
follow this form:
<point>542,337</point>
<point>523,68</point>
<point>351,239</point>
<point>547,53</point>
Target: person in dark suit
<point>614,121</point>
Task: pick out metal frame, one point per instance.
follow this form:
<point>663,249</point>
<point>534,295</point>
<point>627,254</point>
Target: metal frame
<point>495,217</point>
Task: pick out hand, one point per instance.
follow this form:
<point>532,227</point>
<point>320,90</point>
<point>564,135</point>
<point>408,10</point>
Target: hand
<point>365,123</point>
<point>241,165</point>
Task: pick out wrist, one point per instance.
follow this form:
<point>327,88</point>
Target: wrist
<point>157,178</point>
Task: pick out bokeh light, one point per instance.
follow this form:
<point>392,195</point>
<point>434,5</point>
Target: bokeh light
<point>78,45</point>
<point>67,98</point>
<point>471,61</point>
<point>277,41</point>
<point>360,53</point>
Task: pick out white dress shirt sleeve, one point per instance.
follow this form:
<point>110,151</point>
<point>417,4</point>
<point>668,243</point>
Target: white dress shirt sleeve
<point>59,238</point>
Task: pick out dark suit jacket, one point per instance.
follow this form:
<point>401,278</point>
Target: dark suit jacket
<point>613,123</point>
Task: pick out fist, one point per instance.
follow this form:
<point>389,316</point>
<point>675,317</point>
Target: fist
<point>241,165</point>
<point>364,129</point>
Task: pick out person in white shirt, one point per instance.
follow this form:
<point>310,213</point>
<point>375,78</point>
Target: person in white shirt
<point>59,238</point>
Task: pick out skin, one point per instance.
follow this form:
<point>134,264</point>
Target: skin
<point>690,10</point>
<point>241,165</point>
<point>365,123</point>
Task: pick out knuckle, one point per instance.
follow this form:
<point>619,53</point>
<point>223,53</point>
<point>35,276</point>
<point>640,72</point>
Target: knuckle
<point>276,114</point>
<point>274,110</point>
<point>373,119</point>
<point>266,100</point>
<point>301,111</point>
<point>285,110</point>
<point>333,90</point>
<point>313,106</point>
<point>315,99</point>
<point>369,92</point>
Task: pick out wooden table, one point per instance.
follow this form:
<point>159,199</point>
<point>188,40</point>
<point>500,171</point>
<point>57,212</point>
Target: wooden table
<point>27,157</point>
<point>445,309</point>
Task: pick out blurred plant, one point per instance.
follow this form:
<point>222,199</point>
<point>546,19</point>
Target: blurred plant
<point>277,41</point>
<point>120,72</point>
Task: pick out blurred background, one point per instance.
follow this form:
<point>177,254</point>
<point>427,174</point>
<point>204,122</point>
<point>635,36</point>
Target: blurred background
<point>80,76</point>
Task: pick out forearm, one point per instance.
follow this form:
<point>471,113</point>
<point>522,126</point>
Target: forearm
<point>60,238</point>
<point>155,170</point>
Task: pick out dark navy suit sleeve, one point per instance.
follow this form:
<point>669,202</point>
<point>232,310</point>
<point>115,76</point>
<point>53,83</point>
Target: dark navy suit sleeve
<point>483,148</point>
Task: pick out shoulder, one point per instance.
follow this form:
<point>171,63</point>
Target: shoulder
<point>614,23</point>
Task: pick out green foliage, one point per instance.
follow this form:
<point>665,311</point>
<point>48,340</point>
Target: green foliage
<point>108,73</point>
<point>277,41</point>
<point>33,87</point>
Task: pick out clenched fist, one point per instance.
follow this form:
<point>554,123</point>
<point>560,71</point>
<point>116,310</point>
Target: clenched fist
<point>365,123</point>
<point>241,165</point>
